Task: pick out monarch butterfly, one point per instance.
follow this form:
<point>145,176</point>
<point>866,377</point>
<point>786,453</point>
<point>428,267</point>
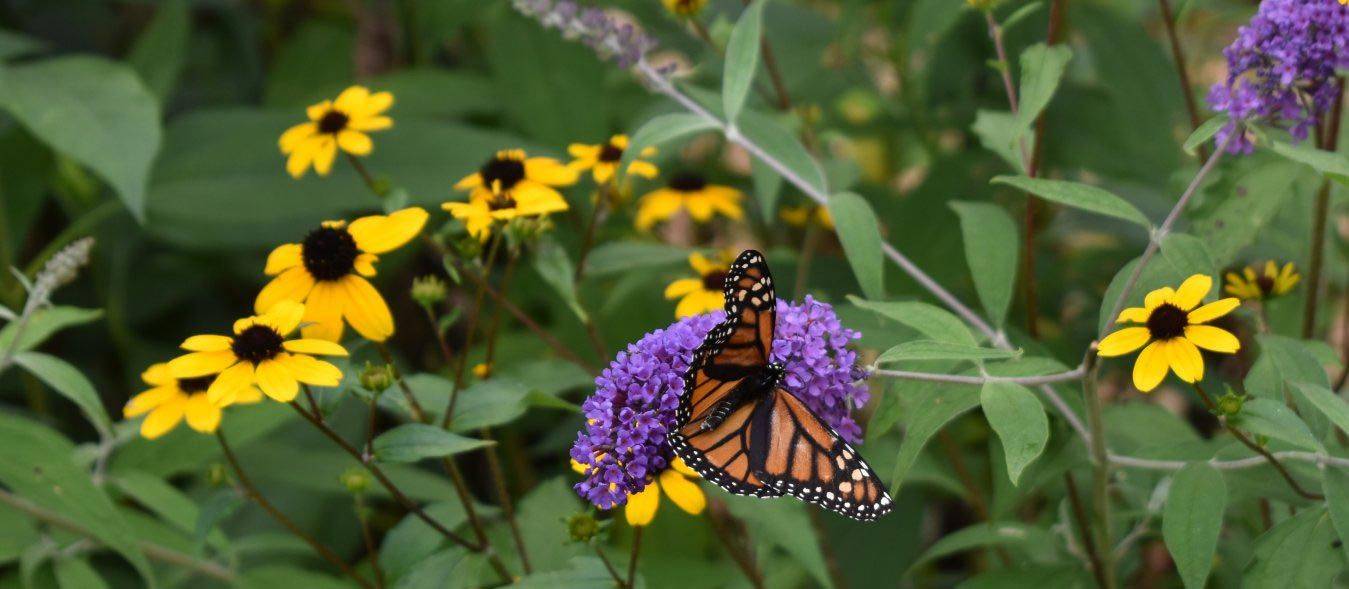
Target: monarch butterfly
<point>739,429</point>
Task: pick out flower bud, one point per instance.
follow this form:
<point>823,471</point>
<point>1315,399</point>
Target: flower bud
<point>356,480</point>
<point>217,475</point>
<point>982,5</point>
<point>482,370</point>
<point>684,8</point>
<point>429,290</point>
<point>1230,404</point>
<point>582,527</point>
<point>377,378</point>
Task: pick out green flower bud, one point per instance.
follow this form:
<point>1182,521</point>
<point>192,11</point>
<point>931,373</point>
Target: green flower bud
<point>356,480</point>
<point>429,291</point>
<point>377,379</point>
<point>1230,404</point>
<point>217,475</point>
<point>582,527</point>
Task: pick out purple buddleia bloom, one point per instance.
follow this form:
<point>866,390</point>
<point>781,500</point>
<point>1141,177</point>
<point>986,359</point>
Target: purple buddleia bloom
<point>1281,67</point>
<point>623,443</point>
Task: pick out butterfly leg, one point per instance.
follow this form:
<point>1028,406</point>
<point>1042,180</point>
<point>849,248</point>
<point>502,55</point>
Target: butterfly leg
<point>724,409</point>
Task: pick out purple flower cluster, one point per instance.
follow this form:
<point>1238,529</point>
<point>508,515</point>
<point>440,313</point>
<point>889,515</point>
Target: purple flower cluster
<point>1281,68</point>
<point>623,443</point>
<point>591,26</point>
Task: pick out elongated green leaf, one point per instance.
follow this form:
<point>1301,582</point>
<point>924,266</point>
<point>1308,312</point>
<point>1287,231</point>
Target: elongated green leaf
<point>76,573</point>
<point>617,257</point>
<point>1042,68</point>
<point>14,44</point>
<point>775,137</point>
<point>982,535</point>
<point>1330,404</point>
<point>659,131</point>
<point>991,253</point>
<point>1192,520</point>
<point>161,50</point>
<point>938,350</point>
<point>95,111</point>
<point>860,233</point>
<point>1020,421</point>
<point>1332,165</point>
<point>786,525</point>
<point>412,540</point>
<point>996,131</point>
<point>1298,553</point>
<point>452,568</point>
<point>926,411</point>
<point>43,324</point>
<point>165,500</point>
<point>1335,482</point>
<point>1204,133</point>
<point>411,442</point>
<point>1076,195</point>
<point>930,320</point>
<point>64,378</point>
<point>1268,417</point>
<point>556,269</point>
<point>742,59</point>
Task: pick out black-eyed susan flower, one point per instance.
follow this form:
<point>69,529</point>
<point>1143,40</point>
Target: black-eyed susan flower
<point>328,272</point>
<point>1273,282</point>
<point>602,160</point>
<point>805,214</point>
<point>677,482</point>
<point>258,354</point>
<point>1173,331</point>
<point>508,186</point>
<point>684,8</point>
<point>704,293</point>
<point>335,124</point>
<point>690,192</point>
<point>170,401</point>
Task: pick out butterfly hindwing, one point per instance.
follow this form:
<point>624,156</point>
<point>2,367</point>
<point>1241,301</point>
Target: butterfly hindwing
<point>722,454</point>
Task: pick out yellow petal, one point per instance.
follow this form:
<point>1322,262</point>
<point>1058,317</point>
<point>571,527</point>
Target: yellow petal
<point>201,363</point>
<point>207,343</point>
<point>315,346</point>
<point>1214,310</point>
<point>355,142</point>
<point>158,374</point>
<point>376,103</point>
<point>1192,291</point>
<point>365,309</point>
<point>579,468</point>
<point>1271,269</point>
<point>533,198</point>
<point>1124,341</point>
<point>202,415</point>
<point>368,124</point>
<point>283,316</point>
<point>1212,338</point>
<point>699,302</point>
<point>604,171</point>
<point>324,155</point>
<point>582,151</point>
<point>702,265</point>
<point>1150,367</point>
<point>148,400</point>
<point>317,110</point>
<point>1155,298</point>
<point>295,136</point>
<point>641,508</point>
<point>228,386</point>
<point>247,396</point>
<point>546,170</point>
<point>644,169</point>
<point>1133,315</point>
<point>284,257</point>
<point>683,468</point>
<point>377,234</point>
<point>699,207</point>
<point>1185,359</point>
<point>292,285</point>
<point>352,99</point>
<point>312,371</point>
<point>323,312</point>
<point>365,265</point>
<point>275,381</point>
<point>164,418</point>
<point>684,493</point>
<point>657,206</point>
<point>682,287</point>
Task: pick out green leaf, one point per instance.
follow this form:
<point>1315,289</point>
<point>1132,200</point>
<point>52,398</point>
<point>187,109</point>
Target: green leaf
<point>1268,417</point>
<point>1192,520</point>
<point>1332,165</point>
<point>983,535</point>
<point>1081,196</point>
<point>1330,404</point>
<point>939,350</point>
<point>1020,421</point>
<point>930,320</point>
<point>93,110</point>
<point>786,525</point>
<point>860,233</point>
<point>927,411</point>
<point>556,269</point>
<point>165,500</point>
<point>67,380</point>
<point>411,442</point>
<point>44,323</point>
<point>618,257</point>
<point>1237,208</point>
<point>991,253</point>
<point>661,130</point>
<point>77,573</point>
<point>412,540</point>
<point>1298,553</point>
<point>742,59</point>
<point>996,131</point>
<point>160,52</point>
<point>452,568</point>
<point>1042,68</point>
<point>585,572</point>
<point>1335,483</point>
<point>780,142</point>
<point>540,525</point>
<point>272,576</point>
<point>38,465</point>
<point>767,189</point>
<point>14,44</point>
<point>1204,133</point>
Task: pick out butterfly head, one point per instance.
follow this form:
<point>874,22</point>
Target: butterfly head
<point>773,373</point>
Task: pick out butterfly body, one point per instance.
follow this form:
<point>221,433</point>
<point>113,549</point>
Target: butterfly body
<point>741,430</point>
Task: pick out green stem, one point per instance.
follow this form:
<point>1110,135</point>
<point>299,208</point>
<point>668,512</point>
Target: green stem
<point>1101,467</point>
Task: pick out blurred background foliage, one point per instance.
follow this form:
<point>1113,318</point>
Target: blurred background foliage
<point>153,127</point>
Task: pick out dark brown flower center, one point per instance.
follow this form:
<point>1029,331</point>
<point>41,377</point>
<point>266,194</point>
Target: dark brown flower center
<point>1167,321</point>
<point>1266,285</point>
<point>329,253</point>
<point>611,153</point>
<point>687,182</point>
<point>508,172</point>
<point>195,385</point>
<point>257,343</point>
<point>715,281</point>
<point>500,202</point>
<point>333,121</point>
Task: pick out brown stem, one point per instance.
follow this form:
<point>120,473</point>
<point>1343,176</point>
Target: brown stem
<point>1257,448</point>
<point>365,175</point>
<point>504,497</point>
<point>973,494</point>
<point>632,556</point>
<point>495,327</point>
<point>252,493</point>
<point>1178,55</point>
<point>371,547</point>
<point>1028,289</point>
<point>470,327</point>
<point>809,243</point>
<point>413,403</point>
<point>1329,142</point>
<point>619,581</point>
<point>1084,529</point>
<point>446,354</point>
<point>603,193</point>
<point>727,529</point>
<point>562,351</point>
<point>1344,340</point>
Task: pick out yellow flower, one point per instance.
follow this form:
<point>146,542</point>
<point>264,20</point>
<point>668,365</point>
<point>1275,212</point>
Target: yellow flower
<point>692,193</point>
<point>511,185</point>
<point>1172,328</point>
<point>1273,283</point>
<point>170,400</point>
<point>684,8</point>
<point>328,270</point>
<point>799,216</point>
<point>674,481</point>
<point>335,124</point>
<point>259,355</point>
<point>602,160</point>
<point>482,370</point>
<point>704,293</point>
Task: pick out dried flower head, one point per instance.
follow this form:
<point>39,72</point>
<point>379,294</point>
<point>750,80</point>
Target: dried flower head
<point>609,38</point>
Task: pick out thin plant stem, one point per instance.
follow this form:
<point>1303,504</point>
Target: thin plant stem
<point>1073,374</point>
<point>1182,72</point>
<point>1084,528</point>
<point>809,242</point>
<point>512,258</point>
<point>387,356</point>
<point>1029,288</point>
<point>973,494</point>
<point>1005,69</point>
<point>154,551</point>
<point>1329,141</point>
<point>619,581</point>
<point>602,195</point>
<point>371,548</point>
<point>726,528</point>
<point>634,554</point>
<point>1257,448</point>
<point>562,351</point>
<point>470,326</point>
<point>1101,469</point>
<point>368,179</point>
<point>827,548</point>
<point>252,493</point>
